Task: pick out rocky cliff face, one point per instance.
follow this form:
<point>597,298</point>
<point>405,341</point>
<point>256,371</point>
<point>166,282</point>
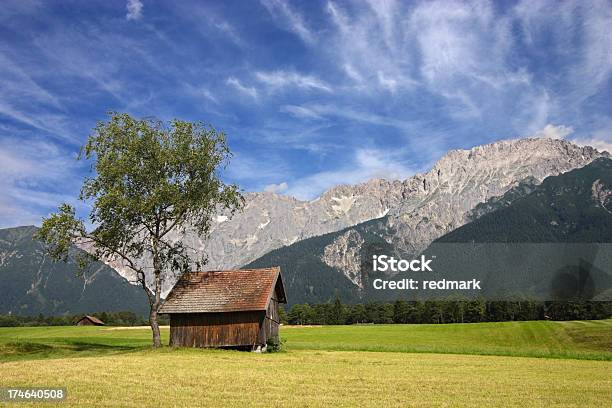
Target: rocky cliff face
<point>270,221</point>
<point>571,207</point>
<point>418,210</point>
<point>602,195</point>
<point>345,254</point>
<point>440,200</point>
<point>443,199</point>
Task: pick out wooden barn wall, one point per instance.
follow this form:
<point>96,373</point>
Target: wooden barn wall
<point>216,329</point>
<point>272,322</point>
<point>85,322</point>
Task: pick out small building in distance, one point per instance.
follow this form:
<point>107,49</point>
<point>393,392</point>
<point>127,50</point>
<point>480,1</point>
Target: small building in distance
<point>234,309</point>
<point>89,321</point>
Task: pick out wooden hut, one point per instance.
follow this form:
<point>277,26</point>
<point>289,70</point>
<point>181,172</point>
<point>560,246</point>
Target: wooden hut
<point>89,321</point>
<point>237,309</point>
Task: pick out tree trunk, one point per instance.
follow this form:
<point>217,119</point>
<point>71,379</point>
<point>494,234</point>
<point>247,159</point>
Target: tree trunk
<point>155,326</point>
<point>157,299</point>
<point>154,308</point>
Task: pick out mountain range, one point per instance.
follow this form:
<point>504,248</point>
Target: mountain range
<point>574,207</point>
<point>414,211</point>
<point>320,243</point>
<point>31,283</point>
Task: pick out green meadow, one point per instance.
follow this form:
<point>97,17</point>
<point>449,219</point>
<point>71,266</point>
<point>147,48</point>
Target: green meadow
<point>484,364</point>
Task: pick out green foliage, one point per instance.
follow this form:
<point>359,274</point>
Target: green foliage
<point>274,344</point>
<point>282,314</point>
<point>59,231</point>
<point>121,318</point>
<point>148,179</point>
<point>444,311</point>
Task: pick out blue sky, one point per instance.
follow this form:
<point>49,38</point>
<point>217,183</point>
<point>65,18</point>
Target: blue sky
<point>311,93</point>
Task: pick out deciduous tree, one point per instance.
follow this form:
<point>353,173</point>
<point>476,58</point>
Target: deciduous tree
<point>150,181</point>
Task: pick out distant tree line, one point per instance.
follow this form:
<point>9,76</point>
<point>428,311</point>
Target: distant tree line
<point>444,311</point>
<point>400,311</point>
<point>123,318</point>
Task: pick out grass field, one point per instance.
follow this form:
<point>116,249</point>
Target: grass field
<point>488,364</point>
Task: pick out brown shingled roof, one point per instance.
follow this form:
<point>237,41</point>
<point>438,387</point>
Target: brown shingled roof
<point>224,291</point>
<point>93,319</point>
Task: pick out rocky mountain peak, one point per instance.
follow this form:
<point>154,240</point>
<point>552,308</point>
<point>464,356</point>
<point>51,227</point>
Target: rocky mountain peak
<point>420,208</point>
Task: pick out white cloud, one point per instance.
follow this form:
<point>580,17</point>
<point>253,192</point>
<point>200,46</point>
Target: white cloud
<point>352,72</point>
<point>209,95</point>
<point>249,168</point>
<point>249,90</point>
<point>332,111</point>
<point>276,188</point>
<point>79,63</point>
<point>300,112</point>
<point>597,64</point>
<point>366,164</point>
<point>460,51</point>
<point>229,31</point>
<point>371,46</point>
<point>32,172</point>
<point>571,28</point>
<point>554,132</point>
<point>452,37</point>
<point>289,19</point>
<point>24,100</point>
<point>134,9</point>
<point>281,79</point>
<point>599,144</point>
<point>389,83</point>
<point>598,141</point>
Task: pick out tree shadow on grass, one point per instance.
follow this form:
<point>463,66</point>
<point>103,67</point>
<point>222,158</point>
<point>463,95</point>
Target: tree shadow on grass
<point>22,350</point>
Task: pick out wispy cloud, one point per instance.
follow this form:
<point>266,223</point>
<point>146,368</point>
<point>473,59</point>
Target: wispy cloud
<point>289,19</point>
<point>24,100</point>
<point>366,164</point>
<point>330,79</point>
<point>205,18</point>
<point>599,144</point>
<point>580,38</point>
<point>35,176</point>
<point>601,138</point>
<point>276,188</point>
<point>246,167</point>
<point>248,90</point>
<point>300,112</point>
<point>600,141</point>
<point>332,111</point>
<point>134,9</point>
<point>282,79</point>
<point>551,131</point>
<point>370,46</point>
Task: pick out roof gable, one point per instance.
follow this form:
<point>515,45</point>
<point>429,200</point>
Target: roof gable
<point>92,319</point>
<point>224,291</point>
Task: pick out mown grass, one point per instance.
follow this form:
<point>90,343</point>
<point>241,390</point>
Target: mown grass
<point>590,340</point>
<point>344,366</point>
<point>301,378</point>
<point>574,339</point>
<point>25,343</point>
